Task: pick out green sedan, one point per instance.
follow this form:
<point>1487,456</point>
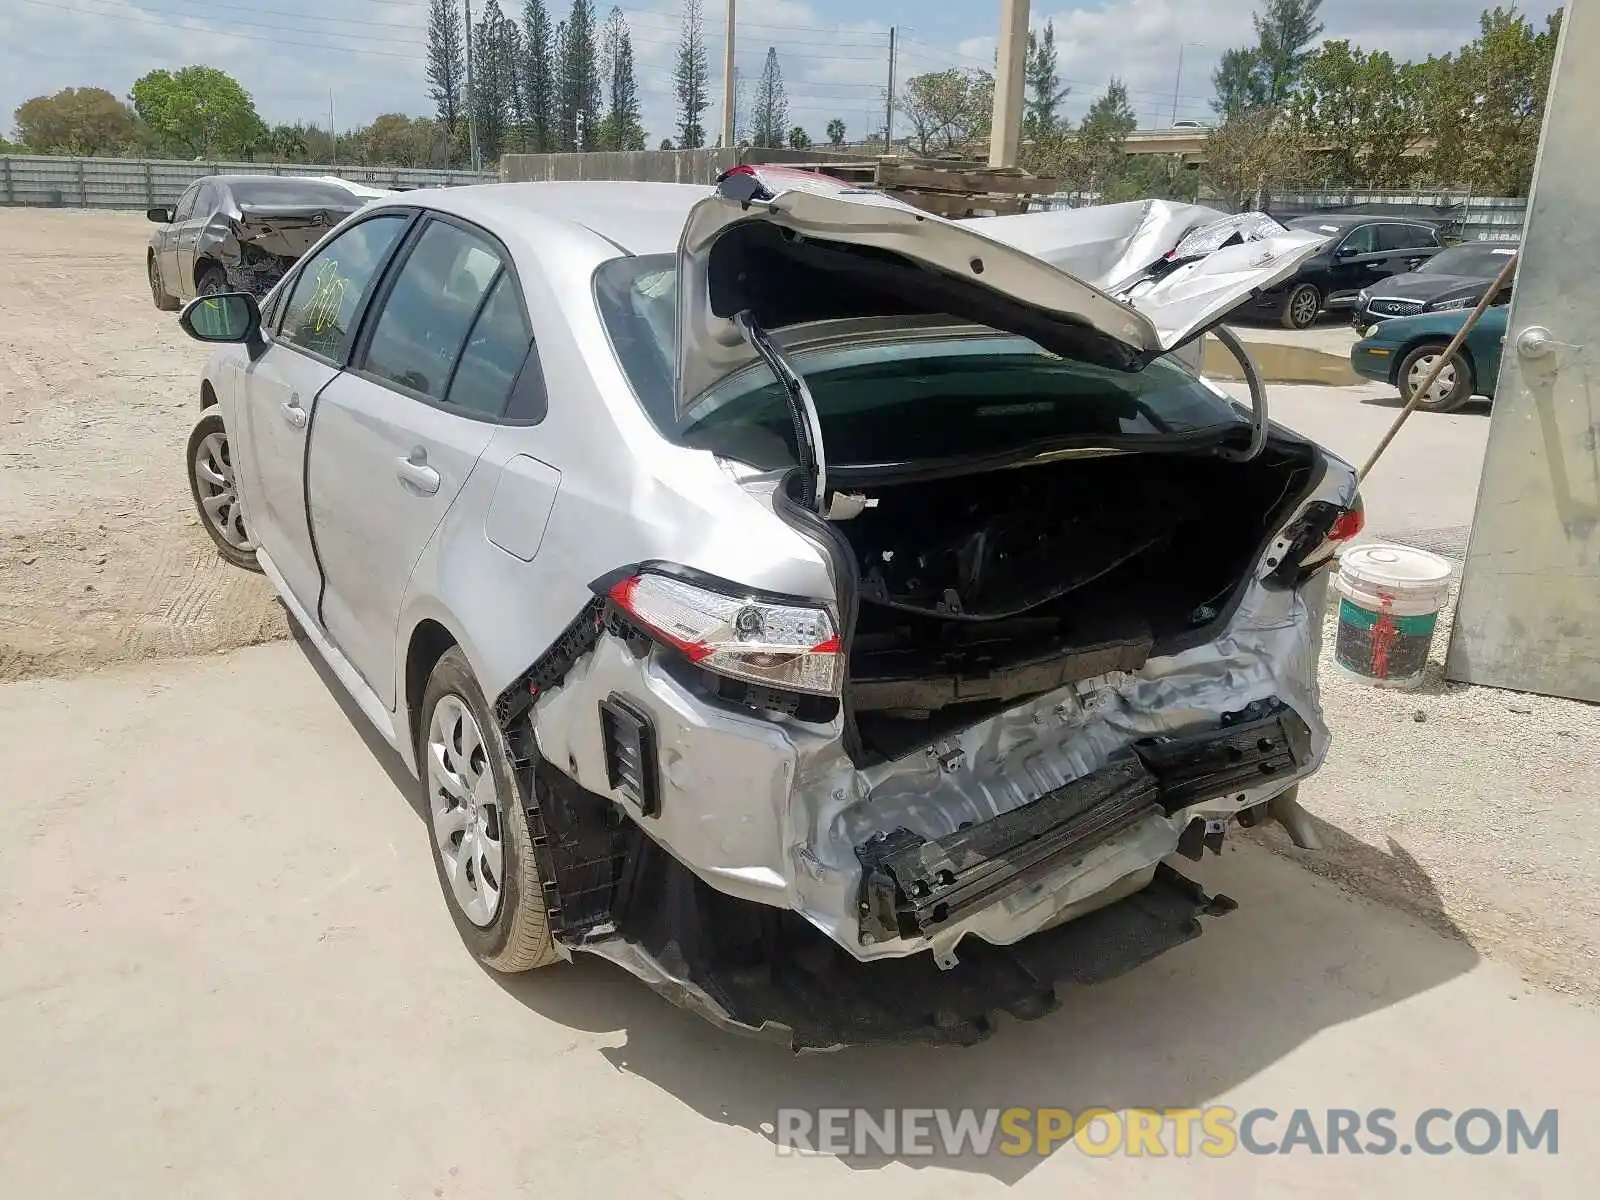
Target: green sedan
<point>1403,350</point>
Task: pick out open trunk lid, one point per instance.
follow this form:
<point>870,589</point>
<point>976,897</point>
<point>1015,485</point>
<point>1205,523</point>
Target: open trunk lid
<point>775,247</point>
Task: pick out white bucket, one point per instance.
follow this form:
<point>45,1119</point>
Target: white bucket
<point>1390,597</point>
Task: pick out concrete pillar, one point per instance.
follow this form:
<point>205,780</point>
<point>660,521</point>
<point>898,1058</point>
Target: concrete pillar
<point>1005,131</point>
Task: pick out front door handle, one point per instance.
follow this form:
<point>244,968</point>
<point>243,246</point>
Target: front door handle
<point>416,472</point>
<point>293,413</point>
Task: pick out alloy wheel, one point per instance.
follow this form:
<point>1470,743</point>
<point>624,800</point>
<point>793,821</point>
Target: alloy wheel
<point>1303,307</point>
<point>219,495</point>
<point>465,810</point>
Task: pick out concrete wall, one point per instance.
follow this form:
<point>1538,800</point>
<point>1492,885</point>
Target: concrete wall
<point>1529,612</point>
<point>53,181</point>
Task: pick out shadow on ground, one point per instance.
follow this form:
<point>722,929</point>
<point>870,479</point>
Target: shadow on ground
<point>1476,407</point>
<point>1301,955</point>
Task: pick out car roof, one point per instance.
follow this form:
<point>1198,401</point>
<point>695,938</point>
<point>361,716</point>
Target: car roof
<point>637,218</point>
<point>1356,219</point>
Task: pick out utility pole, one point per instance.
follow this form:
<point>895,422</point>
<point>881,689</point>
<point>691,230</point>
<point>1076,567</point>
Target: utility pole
<point>1177,84</point>
<point>333,130</point>
<point>888,97</point>
<point>472,107</point>
<point>1005,130</point>
<point>727,83</point>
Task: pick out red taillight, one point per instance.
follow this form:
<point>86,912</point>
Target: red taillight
<point>788,646</point>
<point>1349,523</point>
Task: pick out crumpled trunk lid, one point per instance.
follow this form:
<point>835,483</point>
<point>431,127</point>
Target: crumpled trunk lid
<point>285,230</point>
<point>792,247</point>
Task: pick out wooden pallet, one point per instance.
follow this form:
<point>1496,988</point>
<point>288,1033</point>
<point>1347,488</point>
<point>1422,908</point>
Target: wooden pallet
<point>960,188</point>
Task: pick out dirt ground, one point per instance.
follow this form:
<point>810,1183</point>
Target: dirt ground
<point>101,558</point>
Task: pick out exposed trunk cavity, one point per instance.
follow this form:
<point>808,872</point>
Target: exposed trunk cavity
<point>980,590</point>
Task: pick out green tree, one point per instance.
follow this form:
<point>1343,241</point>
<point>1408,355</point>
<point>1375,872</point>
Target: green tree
<point>1364,113</point>
<point>1266,73</point>
<point>537,76</point>
<point>620,128</point>
<point>76,121</point>
<point>1253,154</point>
<point>288,143</point>
<point>799,139</point>
<point>1100,147</point>
<point>198,112</point>
<point>1486,104</point>
<point>770,120</point>
<point>836,132</point>
<point>495,45</point>
<point>579,108</point>
<point>690,77</point>
<point>1284,31</point>
<point>1041,114</point>
<point>1154,177</point>
<point>666,144</point>
<point>948,110</point>
<point>446,67</point>
<point>1238,82</point>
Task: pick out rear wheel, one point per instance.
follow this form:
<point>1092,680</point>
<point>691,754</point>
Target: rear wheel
<point>483,852</point>
<point>158,293</point>
<point>216,494</point>
<point>1301,306</point>
<point>210,281</point>
<point>1452,388</point>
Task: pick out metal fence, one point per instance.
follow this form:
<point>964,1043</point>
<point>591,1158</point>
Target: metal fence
<point>654,166</point>
<point>53,181</point>
<point>1468,217</point>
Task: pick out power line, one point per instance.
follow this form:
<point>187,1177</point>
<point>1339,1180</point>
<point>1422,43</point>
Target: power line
<point>301,16</point>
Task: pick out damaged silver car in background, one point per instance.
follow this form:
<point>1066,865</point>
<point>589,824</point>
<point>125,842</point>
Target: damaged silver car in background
<point>241,232</point>
<point>837,616</point>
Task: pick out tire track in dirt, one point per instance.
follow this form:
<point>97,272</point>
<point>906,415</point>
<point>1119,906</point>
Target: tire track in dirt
<point>101,560</point>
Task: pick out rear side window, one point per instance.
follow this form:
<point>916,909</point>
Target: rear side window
<point>1404,237</point>
<point>495,354</point>
<point>320,316</point>
<point>428,314</point>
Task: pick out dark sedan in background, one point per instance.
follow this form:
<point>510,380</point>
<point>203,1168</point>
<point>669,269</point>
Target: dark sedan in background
<point>239,233</point>
<point>1452,279</point>
<point>1361,251</point>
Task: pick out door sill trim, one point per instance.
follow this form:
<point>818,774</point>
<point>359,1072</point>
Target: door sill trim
<point>366,699</point>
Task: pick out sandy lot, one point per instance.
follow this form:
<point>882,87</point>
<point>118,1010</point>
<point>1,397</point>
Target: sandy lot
<point>101,560</point>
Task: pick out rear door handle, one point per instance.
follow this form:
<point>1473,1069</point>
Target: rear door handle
<point>293,413</point>
<point>416,472</point>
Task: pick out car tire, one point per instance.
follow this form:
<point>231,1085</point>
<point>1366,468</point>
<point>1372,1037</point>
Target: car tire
<point>211,280</point>
<point>1453,388</point>
<point>163,300</point>
<point>1301,306</point>
<point>478,835</point>
<point>216,495</point>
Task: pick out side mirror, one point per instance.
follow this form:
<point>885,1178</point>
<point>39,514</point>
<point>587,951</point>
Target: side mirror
<point>225,317</point>
<point>161,216</point>
<point>1345,252</point>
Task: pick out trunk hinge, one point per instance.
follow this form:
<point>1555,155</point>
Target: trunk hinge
<point>1259,416</point>
<point>802,410</point>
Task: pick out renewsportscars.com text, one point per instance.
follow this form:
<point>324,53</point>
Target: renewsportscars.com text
<point>1213,1132</point>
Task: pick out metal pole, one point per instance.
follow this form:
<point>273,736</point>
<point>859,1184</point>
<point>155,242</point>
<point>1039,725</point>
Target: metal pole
<point>1005,130</point>
<point>472,107</point>
<point>888,106</point>
<point>1177,84</point>
<point>727,82</point>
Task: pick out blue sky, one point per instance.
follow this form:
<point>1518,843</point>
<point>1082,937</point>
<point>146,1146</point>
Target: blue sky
<point>289,54</point>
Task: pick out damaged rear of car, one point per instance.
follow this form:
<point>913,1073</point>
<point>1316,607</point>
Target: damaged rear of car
<point>241,233</point>
<point>1067,628</point>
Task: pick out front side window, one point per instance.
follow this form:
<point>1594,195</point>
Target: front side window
<point>185,208</point>
<point>1362,240</point>
<point>973,391</point>
<point>320,316</point>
